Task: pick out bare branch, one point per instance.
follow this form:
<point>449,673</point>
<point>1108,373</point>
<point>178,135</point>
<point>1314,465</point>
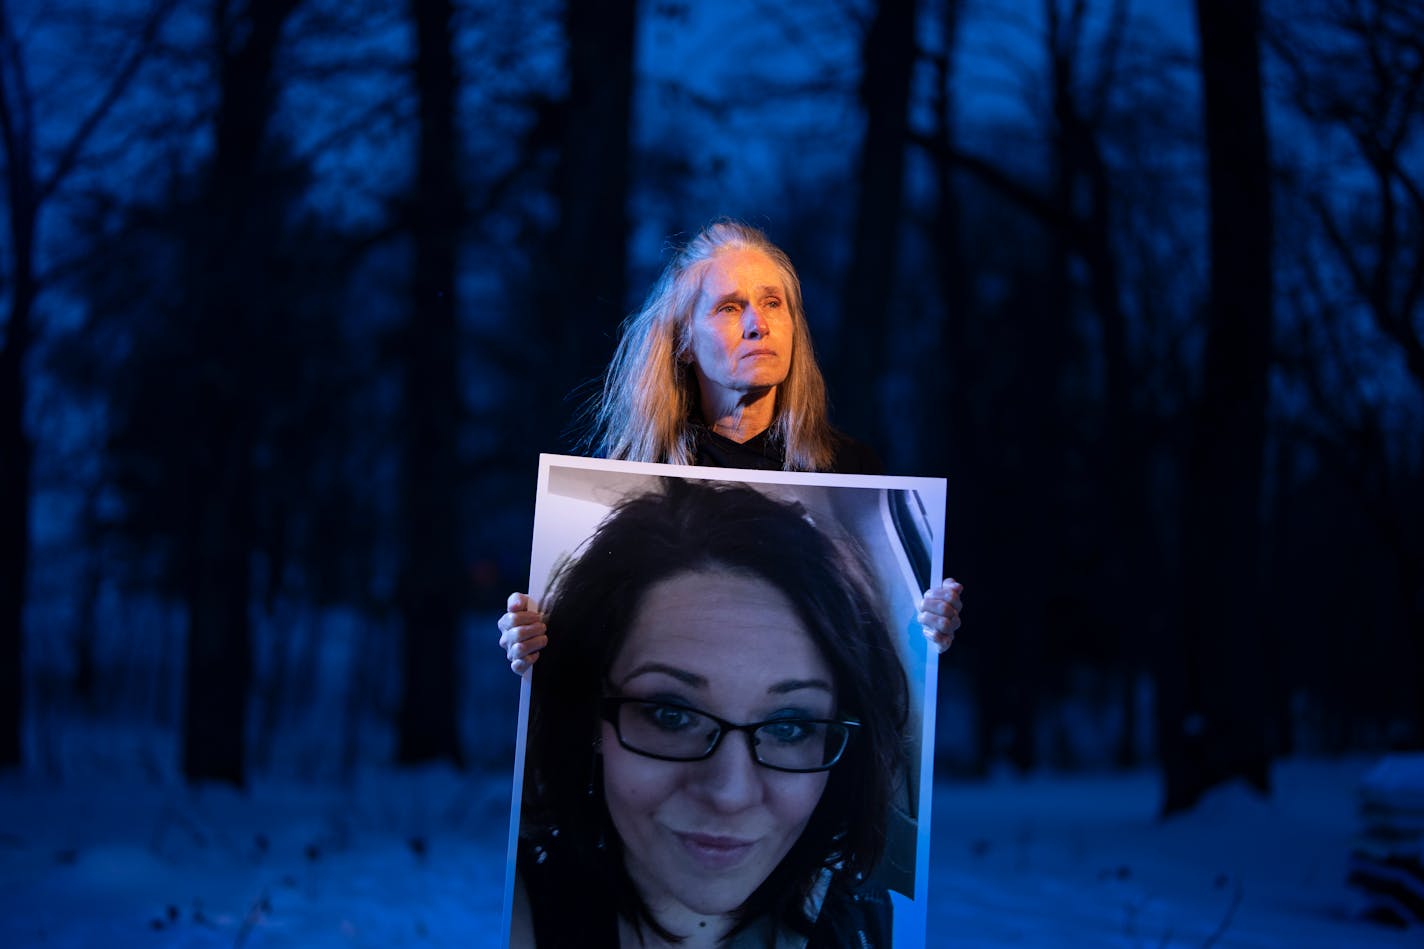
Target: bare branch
<point>1342,245</point>
<point>1037,205</point>
<point>1110,54</point>
<point>16,130</point>
<point>69,157</point>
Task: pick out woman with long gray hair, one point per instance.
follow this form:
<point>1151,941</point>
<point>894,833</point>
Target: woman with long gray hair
<point>717,369</point>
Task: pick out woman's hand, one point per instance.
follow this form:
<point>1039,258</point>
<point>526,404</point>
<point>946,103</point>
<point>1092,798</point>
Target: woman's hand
<point>522,632</point>
<point>939,613</point>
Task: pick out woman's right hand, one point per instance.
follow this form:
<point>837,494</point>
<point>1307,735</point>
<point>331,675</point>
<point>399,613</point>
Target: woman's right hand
<point>939,613</point>
<point>522,632</point>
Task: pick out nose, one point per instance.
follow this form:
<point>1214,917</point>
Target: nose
<point>730,780</point>
<point>754,325</point>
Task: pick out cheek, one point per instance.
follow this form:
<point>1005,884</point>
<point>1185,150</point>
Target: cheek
<point>787,329</point>
<point>633,785</point>
<point>716,342</point>
<point>794,797</point>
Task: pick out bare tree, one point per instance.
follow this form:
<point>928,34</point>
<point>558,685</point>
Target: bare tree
<point>888,56</point>
<point>224,259</point>
<point>1214,686</point>
<point>1370,90</point>
<point>580,274</point>
<point>243,454</point>
<point>1354,74</point>
<point>431,579</point>
<point>34,179</point>
<point>1073,397</point>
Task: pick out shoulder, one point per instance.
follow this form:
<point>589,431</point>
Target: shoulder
<point>558,901</point>
<point>854,915</point>
<point>853,456</point>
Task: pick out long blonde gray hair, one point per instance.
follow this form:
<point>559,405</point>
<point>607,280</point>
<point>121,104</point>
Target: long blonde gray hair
<point>645,409</point>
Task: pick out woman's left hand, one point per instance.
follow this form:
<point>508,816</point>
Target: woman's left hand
<point>939,613</point>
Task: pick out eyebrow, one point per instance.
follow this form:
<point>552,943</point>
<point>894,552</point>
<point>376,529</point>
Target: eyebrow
<point>795,685</point>
<point>682,675</point>
<point>759,292</point>
<point>700,682</point>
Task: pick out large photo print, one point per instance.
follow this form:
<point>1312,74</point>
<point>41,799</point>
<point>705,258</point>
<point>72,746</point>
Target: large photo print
<point>725,740</point>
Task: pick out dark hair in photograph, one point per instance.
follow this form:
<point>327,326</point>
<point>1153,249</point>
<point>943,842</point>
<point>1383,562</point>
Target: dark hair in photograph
<point>682,526</point>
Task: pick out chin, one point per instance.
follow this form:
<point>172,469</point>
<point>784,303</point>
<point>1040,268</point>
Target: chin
<point>716,900</point>
<point>762,383</point>
<point>713,894</point>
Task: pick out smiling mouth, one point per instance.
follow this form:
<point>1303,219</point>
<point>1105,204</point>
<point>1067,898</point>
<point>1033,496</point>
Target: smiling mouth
<point>714,852</point>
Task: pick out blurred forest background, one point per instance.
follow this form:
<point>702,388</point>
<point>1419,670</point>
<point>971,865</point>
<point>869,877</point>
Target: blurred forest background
<point>293,292</point>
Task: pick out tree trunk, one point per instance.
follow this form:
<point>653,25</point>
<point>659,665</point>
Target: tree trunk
<point>954,391</point>
<point>16,452</point>
<point>1219,731</point>
<point>228,259</point>
<point>582,284</point>
<point>888,60</point>
<point>16,459</point>
<point>431,577</point>
<point>219,664</point>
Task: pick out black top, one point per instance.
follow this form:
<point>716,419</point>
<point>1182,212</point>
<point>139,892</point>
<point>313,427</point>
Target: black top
<point>572,910</point>
<point>765,454</point>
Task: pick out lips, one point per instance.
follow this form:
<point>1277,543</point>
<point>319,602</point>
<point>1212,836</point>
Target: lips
<point>715,852</point>
<point>758,352</point>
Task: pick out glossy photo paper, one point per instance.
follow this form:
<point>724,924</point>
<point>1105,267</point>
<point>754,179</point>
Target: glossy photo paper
<point>889,528</point>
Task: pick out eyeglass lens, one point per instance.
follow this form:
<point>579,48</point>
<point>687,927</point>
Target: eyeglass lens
<point>681,733</point>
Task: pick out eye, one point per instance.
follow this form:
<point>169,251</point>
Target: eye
<point>669,718</point>
<point>728,308</point>
<point>772,303</point>
<point>788,732</point>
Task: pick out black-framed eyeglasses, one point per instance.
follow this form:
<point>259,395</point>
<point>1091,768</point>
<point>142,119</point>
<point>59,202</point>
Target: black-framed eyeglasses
<point>671,731</point>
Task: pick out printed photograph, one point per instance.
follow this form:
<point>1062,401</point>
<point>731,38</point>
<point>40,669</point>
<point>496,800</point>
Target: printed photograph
<point>725,738</point>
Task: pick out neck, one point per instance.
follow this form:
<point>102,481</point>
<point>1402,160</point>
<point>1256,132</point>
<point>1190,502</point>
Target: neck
<point>743,419</point>
<point>699,930</point>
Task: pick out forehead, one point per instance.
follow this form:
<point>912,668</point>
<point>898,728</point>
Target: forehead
<point>734,630</point>
<point>742,270</point>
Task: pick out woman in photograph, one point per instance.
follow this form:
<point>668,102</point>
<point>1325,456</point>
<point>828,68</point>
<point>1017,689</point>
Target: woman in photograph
<point>715,744</point>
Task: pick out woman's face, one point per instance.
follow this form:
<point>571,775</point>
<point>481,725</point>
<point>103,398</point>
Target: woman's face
<point>742,331</point>
<point>700,836</point>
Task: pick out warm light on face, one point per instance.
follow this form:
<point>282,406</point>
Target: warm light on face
<point>700,836</point>
<point>741,331</point>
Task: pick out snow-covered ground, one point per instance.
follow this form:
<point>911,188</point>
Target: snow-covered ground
<point>417,859</point>
<point>1083,861</point>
